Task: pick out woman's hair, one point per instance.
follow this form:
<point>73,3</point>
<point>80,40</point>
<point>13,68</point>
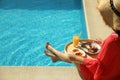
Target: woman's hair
<point>115,6</point>
<point>110,11</point>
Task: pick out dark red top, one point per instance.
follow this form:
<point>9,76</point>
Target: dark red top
<point>107,64</point>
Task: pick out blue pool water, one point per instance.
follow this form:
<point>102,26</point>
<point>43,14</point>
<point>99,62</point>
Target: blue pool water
<point>26,25</point>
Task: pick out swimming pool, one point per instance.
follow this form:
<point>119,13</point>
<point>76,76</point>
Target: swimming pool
<point>26,25</point>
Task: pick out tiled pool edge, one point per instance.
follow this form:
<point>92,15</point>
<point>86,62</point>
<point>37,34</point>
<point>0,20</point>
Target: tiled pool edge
<point>86,20</point>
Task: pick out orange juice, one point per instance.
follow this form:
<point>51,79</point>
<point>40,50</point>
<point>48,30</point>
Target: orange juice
<point>75,40</point>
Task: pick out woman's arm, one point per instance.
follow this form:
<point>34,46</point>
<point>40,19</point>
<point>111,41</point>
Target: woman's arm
<point>79,59</point>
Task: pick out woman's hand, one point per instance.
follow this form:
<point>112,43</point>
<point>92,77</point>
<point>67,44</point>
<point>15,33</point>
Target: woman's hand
<point>98,40</point>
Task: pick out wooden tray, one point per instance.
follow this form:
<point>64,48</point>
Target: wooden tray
<point>69,47</point>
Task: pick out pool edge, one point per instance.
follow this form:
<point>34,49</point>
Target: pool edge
<point>38,73</point>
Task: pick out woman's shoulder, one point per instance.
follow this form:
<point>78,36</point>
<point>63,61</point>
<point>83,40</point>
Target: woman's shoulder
<point>113,37</point>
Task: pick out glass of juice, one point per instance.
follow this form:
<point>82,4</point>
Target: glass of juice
<point>76,40</point>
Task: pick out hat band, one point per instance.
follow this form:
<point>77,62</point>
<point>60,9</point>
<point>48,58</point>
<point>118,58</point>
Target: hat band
<point>114,9</point>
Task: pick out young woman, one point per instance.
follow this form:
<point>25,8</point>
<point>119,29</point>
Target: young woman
<point>106,66</point>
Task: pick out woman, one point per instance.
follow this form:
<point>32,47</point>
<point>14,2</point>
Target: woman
<point>106,66</point>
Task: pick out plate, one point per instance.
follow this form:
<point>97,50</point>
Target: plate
<point>78,52</point>
<point>90,47</point>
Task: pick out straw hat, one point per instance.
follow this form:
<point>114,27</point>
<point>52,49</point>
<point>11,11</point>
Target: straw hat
<point>110,11</point>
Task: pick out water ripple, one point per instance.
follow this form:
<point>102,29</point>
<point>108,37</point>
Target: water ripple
<point>25,30</point>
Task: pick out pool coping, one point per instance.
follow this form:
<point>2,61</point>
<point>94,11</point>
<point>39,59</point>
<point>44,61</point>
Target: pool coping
<point>38,73</point>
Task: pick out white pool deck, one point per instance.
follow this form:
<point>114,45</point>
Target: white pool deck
<point>96,29</point>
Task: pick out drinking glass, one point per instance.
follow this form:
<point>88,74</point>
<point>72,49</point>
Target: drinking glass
<point>76,39</point>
